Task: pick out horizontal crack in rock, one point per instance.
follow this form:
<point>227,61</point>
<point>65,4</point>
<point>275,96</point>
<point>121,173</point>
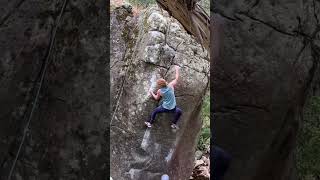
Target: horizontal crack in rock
<point>217,11</point>
<point>238,106</point>
<point>158,65</point>
<point>267,24</point>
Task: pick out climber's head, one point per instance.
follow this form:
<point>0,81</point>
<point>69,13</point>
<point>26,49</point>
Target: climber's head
<point>162,83</point>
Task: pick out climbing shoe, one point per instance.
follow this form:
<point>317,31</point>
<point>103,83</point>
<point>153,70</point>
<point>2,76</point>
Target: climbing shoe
<point>147,124</point>
<point>174,126</point>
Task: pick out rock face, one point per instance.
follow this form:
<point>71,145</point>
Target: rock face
<point>66,135</point>
<point>201,169</point>
<point>265,63</point>
<point>192,16</point>
<point>143,49</point>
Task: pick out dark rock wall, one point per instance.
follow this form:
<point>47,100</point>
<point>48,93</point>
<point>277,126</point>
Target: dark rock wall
<point>262,71</point>
<point>66,138</point>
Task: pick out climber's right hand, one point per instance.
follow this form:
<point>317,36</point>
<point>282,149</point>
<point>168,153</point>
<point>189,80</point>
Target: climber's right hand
<point>177,67</point>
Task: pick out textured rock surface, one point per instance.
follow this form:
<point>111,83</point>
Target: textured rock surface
<point>268,63</point>
<point>143,49</point>
<point>201,169</point>
<point>192,16</point>
<point>66,135</point>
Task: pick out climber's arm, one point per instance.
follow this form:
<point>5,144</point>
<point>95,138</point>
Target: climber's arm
<point>155,96</point>
<point>174,82</point>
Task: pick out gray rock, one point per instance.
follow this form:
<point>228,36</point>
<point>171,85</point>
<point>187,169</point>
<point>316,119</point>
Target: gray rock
<point>192,16</point>
<point>264,68</point>
<point>198,154</point>
<point>72,106</point>
<point>138,59</point>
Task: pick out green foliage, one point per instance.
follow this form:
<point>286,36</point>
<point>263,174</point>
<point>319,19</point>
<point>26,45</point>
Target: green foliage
<point>308,151</point>
<point>204,137</point>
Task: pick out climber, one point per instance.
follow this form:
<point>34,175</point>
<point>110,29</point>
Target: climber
<point>166,91</point>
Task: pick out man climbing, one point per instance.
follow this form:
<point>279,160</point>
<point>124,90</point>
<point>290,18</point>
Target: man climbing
<point>166,92</point>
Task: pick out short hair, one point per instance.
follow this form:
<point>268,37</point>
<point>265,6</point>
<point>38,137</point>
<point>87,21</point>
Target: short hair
<point>162,83</point>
